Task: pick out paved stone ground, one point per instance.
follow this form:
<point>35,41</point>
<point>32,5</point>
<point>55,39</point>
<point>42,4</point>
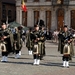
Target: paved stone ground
<point>50,65</point>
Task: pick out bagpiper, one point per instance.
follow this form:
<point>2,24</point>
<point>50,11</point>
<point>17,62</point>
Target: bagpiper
<point>42,39</point>
<point>17,42</point>
<point>37,45</point>
<point>67,48</point>
<point>29,41</point>
<point>42,42</point>
<point>60,44</point>
<point>6,42</point>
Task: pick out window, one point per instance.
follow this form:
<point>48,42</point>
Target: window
<point>3,14</point>
<point>25,0</point>
<point>36,0</point>
<point>24,18</point>
<point>48,0</point>
<point>14,15</point>
<point>36,17</point>
<point>9,14</point>
<point>3,11</point>
<point>73,19</point>
<point>3,6</point>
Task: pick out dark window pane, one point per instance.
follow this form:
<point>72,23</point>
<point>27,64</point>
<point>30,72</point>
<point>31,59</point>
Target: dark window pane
<point>3,13</point>
<point>36,17</point>
<point>73,19</point>
<point>36,0</point>
<point>9,14</point>
<point>24,17</point>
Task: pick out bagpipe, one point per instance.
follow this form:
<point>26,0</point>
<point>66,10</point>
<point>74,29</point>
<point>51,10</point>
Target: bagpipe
<point>17,45</point>
<point>29,40</point>
<point>35,49</point>
<point>2,42</point>
<point>36,37</point>
<point>3,33</point>
<point>66,49</point>
<point>66,39</point>
<point>38,47</point>
<point>3,47</point>
<point>41,36</point>
<point>17,42</point>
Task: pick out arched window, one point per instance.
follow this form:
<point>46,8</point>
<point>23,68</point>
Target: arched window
<point>36,17</point>
<point>48,19</point>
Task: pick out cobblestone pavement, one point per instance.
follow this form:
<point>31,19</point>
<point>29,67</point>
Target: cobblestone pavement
<point>50,65</point>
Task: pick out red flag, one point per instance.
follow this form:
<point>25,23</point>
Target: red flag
<point>24,8</point>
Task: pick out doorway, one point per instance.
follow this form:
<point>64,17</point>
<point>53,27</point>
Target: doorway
<point>73,19</point>
<point>60,18</point>
<point>48,20</point>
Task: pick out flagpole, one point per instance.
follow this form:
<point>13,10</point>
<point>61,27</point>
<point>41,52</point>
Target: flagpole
<point>7,20</point>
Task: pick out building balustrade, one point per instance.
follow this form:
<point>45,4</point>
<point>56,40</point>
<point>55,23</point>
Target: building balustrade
<point>60,2</point>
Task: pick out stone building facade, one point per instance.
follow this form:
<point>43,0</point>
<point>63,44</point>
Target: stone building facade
<point>52,12</point>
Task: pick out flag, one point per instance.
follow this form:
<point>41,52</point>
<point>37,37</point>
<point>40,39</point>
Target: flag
<point>24,8</point>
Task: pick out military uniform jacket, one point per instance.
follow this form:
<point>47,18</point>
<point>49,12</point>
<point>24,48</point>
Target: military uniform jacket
<point>38,42</point>
<point>66,36</point>
<point>17,40</point>
<point>29,38</point>
<point>8,41</point>
<point>41,43</point>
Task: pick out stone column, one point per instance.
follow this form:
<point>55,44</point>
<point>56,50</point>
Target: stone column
<point>53,20</point>
<point>18,12</point>
<point>30,18</point>
<point>18,15</point>
<point>69,18</point>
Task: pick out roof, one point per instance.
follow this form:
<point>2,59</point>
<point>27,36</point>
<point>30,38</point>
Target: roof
<point>9,1</point>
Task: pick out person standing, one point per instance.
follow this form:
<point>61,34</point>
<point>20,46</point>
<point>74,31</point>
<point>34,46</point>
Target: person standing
<point>60,44</point>
<point>6,42</point>
<point>29,43</point>
<point>17,42</point>
<point>67,49</point>
<point>42,42</point>
<point>37,45</point>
